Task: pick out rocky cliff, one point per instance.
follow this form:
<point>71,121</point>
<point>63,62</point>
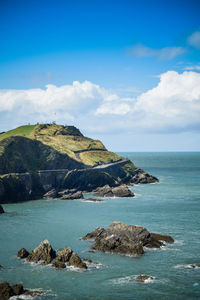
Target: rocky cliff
<point>37,158</point>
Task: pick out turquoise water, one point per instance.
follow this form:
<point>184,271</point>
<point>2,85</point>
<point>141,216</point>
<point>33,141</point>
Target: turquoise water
<point>170,207</point>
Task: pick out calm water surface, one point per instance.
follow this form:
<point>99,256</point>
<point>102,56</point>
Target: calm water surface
<point>170,207</point>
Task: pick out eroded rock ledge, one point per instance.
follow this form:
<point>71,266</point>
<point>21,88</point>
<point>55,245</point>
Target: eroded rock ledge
<point>45,254</point>
<point>125,239</point>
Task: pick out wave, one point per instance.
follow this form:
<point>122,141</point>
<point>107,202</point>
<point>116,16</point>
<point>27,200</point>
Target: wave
<point>188,266</point>
<point>132,279</point>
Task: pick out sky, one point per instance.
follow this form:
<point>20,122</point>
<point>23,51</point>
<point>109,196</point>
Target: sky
<point>125,72</point>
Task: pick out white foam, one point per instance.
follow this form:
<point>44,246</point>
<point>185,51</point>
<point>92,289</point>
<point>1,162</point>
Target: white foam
<point>132,279</point>
<point>187,266</point>
<point>75,269</point>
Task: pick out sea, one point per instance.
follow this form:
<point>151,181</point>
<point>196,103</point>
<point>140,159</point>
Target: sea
<point>170,207</point>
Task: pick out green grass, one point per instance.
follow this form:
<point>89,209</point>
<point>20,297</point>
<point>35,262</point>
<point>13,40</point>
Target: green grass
<point>25,130</point>
<point>92,158</point>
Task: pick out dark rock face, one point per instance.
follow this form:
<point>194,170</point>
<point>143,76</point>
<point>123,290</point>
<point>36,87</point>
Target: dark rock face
<point>124,239</point>
<point>58,264</point>
<point>119,191</point>
<point>164,238</point>
<point>76,261</point>
<point>143,278</point>
<point>140,176</point>
<point>1,210</point>
<point>22,253</point>
<point>43,253</point>
<point>7,291</point>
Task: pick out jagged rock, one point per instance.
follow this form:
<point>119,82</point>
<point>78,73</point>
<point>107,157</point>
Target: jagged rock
<point>70,194</point>
<point>89,261</point>
<point>64,254</point>
<point>58,264</point>
<point>76,261</point>
<point>143,278</point>
<point>124,239</point>
<point>43,253</point>
<point>51,194</point>
<point>22,253</point>
<point>1,210</point>
<point>118,191</point>
<point>140,176</point>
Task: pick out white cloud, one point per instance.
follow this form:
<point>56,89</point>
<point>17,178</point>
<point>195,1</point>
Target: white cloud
<point>194,39</point>
<point>172,105</point>
<point>165,53</point>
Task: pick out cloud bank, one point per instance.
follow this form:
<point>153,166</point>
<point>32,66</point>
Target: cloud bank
<point>173,105</point>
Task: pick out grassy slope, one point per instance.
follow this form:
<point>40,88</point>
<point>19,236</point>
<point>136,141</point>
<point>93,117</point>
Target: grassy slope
<point>65,140</point>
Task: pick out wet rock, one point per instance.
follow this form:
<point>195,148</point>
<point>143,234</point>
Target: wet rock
<point>43,253</point>
<point>51,194</point>
<point>118,191</point>
<point>33,293</point>
<point>165,238</point>
<point>143,278</point>
<point>89,261</point>
<point>58,264</point>
<point>192,266</point>
<point>6,291</point>
<point>76,261</point>
<point>140,176</point>
<point>94,200</point>
<point>124,239</point>
<point>1,210</point>
<point>22,253</point>
<point>18,289</point>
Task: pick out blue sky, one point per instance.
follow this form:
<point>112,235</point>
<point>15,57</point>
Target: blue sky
<point>132,62</point>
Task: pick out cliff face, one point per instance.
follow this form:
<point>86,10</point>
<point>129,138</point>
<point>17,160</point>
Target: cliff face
<point>36,158</point>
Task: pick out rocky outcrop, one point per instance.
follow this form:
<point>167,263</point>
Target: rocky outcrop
<point>125,239</point>
<point>94,200</point>
<point>140,176</point>
<point>7,291</point>
<point>1,210</point>
<point>22,253</point>
<point>52,194</point>
<point>45,254</point>
<point>118,191</point>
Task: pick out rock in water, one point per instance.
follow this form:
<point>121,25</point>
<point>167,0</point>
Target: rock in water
<point>58,264</point>
<point>7,291</point>
<point>124,239</point>
<point>22,253</point>
<point>143,278</point>
<point>140,176</point>
<point>118,191</point>
<point>76,261</point>
<point>43,253</point>
<point>1,210</point>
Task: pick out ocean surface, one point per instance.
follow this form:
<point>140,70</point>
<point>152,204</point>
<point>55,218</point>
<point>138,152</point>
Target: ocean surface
<point>171,206</point>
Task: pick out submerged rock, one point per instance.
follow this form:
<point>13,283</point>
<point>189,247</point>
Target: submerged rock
<point>124,239</point>
<point>1,210</point>
<point>143,278</point>
<point>118,191</point>
<point>43,253</point>
<point>22,253</point>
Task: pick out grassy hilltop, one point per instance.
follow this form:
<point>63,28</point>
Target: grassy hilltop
<point>34,147</point>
